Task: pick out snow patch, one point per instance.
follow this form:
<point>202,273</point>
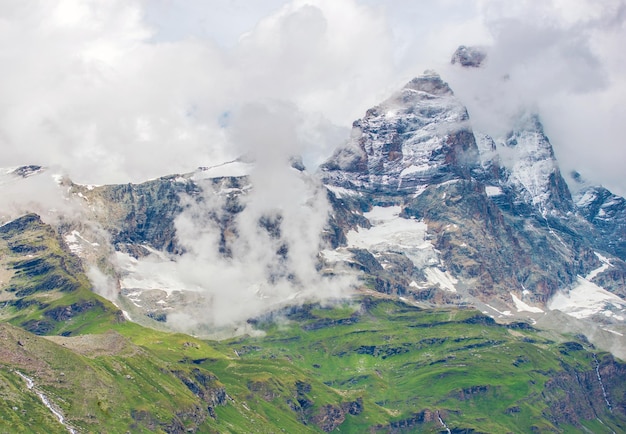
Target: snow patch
<point>614,332</point>
<point>586,199</point>
<point>416,169</point>
<point>605,265</point>
<point>228,169</point>
<point>523,307</point>
<point>610,314</point>
<point>503,313</point>
<point>388,228</point>
<point>340,192</point>
<point>419,190</point>
<point>586,299</point>
<point>152,272</point>
<point>7,222</point>
<point>441,278</point>
<point>338,255</point>
<point>493,191</point>
<point>76,242</point>
<point>390,232</point>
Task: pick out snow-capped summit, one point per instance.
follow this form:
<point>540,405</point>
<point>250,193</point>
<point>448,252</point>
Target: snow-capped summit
<point>505,233</point>
<point>418,136</point>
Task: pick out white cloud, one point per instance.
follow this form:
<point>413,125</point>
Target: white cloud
<point>119,91</point>
<point>562,60</point>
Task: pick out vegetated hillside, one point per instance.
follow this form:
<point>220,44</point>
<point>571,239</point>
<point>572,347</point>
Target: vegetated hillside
<point>458,367</point>
<point>44,288</point>
<point>105,374</point>
<point>367,365</point>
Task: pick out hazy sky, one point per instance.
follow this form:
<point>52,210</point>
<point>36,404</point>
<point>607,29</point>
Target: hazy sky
<point>119,91</point>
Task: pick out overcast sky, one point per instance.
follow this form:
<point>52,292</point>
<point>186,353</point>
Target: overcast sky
<point>119,91</point>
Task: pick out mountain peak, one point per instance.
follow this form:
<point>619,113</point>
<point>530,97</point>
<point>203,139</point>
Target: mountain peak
<point>418,136</point>
<point>429,82</point>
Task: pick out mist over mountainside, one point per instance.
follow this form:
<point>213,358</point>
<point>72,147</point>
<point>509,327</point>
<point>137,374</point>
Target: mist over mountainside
<point>416,204</point>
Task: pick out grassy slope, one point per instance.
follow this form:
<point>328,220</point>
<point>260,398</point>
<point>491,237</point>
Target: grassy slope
<point>45,290</point>
<point>354,367</point>
<point>135,378</point>
<point>475,373</point>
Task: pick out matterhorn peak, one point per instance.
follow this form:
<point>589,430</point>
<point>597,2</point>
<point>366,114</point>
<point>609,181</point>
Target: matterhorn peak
<point>418,136</point>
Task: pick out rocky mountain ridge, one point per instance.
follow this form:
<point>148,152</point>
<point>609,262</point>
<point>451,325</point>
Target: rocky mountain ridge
<point>421,207</point>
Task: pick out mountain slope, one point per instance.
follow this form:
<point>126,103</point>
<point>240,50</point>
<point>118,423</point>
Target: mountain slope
<point>44,289</point>
<point>455,364</point>
<point>421,206</point>
<point>166,382</point>
<point>607,213</point>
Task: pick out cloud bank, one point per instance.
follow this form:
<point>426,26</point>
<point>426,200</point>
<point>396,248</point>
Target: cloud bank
<point>118,91</point>
<point>255,250</point>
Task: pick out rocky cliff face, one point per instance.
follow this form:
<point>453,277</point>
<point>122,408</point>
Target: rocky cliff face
<point>607,213</point>
<point>573,395</point>
<point>522,169</point>
<point>137,215</point>
<point>418,150</point>
<point>469,57</point>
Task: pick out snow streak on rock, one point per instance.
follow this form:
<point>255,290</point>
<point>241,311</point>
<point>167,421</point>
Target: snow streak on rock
<point>587,299</point>
<point>523,307</point>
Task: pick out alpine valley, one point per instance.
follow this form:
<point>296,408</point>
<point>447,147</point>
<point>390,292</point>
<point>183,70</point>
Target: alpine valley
<point>427,277</point>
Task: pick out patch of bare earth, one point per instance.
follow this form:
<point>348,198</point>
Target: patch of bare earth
<point>110,343</point>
